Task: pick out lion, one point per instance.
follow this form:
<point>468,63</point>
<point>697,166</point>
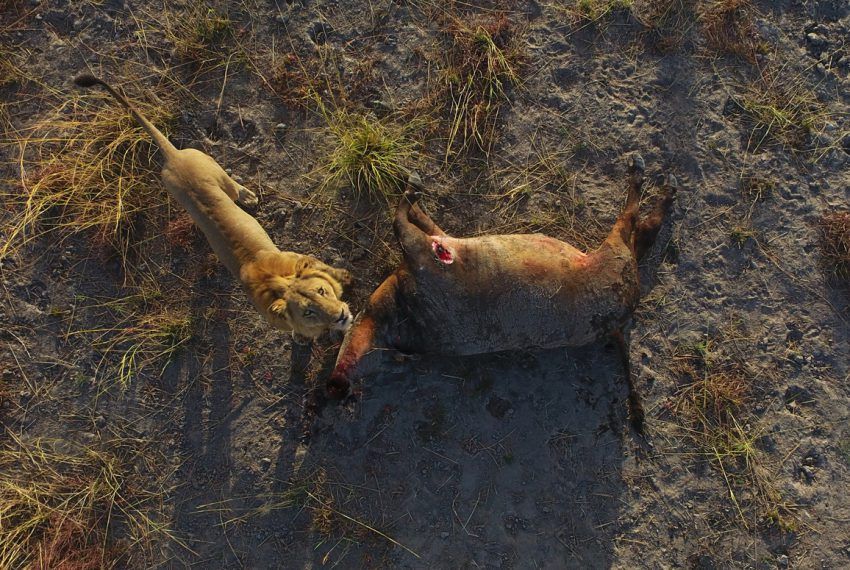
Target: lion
<point>293,292</point>
<point>465,296</point>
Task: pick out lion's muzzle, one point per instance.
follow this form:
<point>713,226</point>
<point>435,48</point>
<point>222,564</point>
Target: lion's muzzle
<point>344,321</point>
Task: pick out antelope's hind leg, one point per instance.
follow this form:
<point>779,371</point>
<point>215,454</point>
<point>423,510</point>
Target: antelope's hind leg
<point>623,231</point>
<point>423,221</point>
<point>648,227</point>
<point>412,227</point>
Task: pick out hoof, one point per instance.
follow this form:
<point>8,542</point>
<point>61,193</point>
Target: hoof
<point>412,196</point>
<point>415,182</point>
<point>637,165</point>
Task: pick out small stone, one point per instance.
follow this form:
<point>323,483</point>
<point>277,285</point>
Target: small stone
<point>280,127</point>
<point>444,535</point>
<point>38,16</point>
<point>782,561</point>
<point>265,463</point>
<point>228,171</point>
<point>319,32</point>
<point>100,421</point>
<point>498,407</point>
<point>799,395</point>
<point>808,473</point>
<point>816,40</point>
<point>813,458</point>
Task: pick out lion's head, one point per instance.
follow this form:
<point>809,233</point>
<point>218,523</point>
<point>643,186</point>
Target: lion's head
<point>306,301</point>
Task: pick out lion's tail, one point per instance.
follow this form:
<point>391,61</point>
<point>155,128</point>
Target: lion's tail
<point>87,80</point>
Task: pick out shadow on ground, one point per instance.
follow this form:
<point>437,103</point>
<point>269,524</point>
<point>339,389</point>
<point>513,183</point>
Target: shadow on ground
<point>505,460</point>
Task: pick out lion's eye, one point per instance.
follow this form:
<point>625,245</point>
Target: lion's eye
<point>321,291</point>
<point>309,313</point>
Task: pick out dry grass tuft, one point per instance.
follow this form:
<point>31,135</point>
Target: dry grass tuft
<point>147,327</point>
<point>60,505</point>
<point>10,72</point>
<point>181,231</point>
<point>713,399</point>
<point>541,194</point>
<point>483,61</point>
<point>85,167</point>
<point>729,26</point>
<point>292,81</point>
<point>594,10</point>
<point>200,33</point>
<point>324,501</point>
<point>667,22</point>
<point>781,111</point>
<point>835,245</point>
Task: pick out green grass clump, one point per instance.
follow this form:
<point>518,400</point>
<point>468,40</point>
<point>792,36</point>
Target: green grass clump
<point>85,167</point>
<point>369,155</point>
<point>781,111</point>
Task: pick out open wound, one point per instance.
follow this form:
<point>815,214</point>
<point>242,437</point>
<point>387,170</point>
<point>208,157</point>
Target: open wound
<point>442,254</point>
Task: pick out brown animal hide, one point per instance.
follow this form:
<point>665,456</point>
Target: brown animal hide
<point>463,296</point>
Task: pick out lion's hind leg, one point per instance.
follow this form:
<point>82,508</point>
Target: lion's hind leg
<point>238,193</point>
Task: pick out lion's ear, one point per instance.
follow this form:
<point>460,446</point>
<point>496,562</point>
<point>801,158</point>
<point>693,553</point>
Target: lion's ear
<point>304,263</point>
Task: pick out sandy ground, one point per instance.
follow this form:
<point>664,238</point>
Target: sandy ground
<point>505,461</point>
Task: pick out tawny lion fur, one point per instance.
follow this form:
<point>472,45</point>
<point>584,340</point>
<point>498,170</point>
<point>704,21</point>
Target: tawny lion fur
<point>293,292</point>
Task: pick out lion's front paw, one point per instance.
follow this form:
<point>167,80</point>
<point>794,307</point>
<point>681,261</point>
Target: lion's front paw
<point>246,198</point>
<point>343,276</point>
